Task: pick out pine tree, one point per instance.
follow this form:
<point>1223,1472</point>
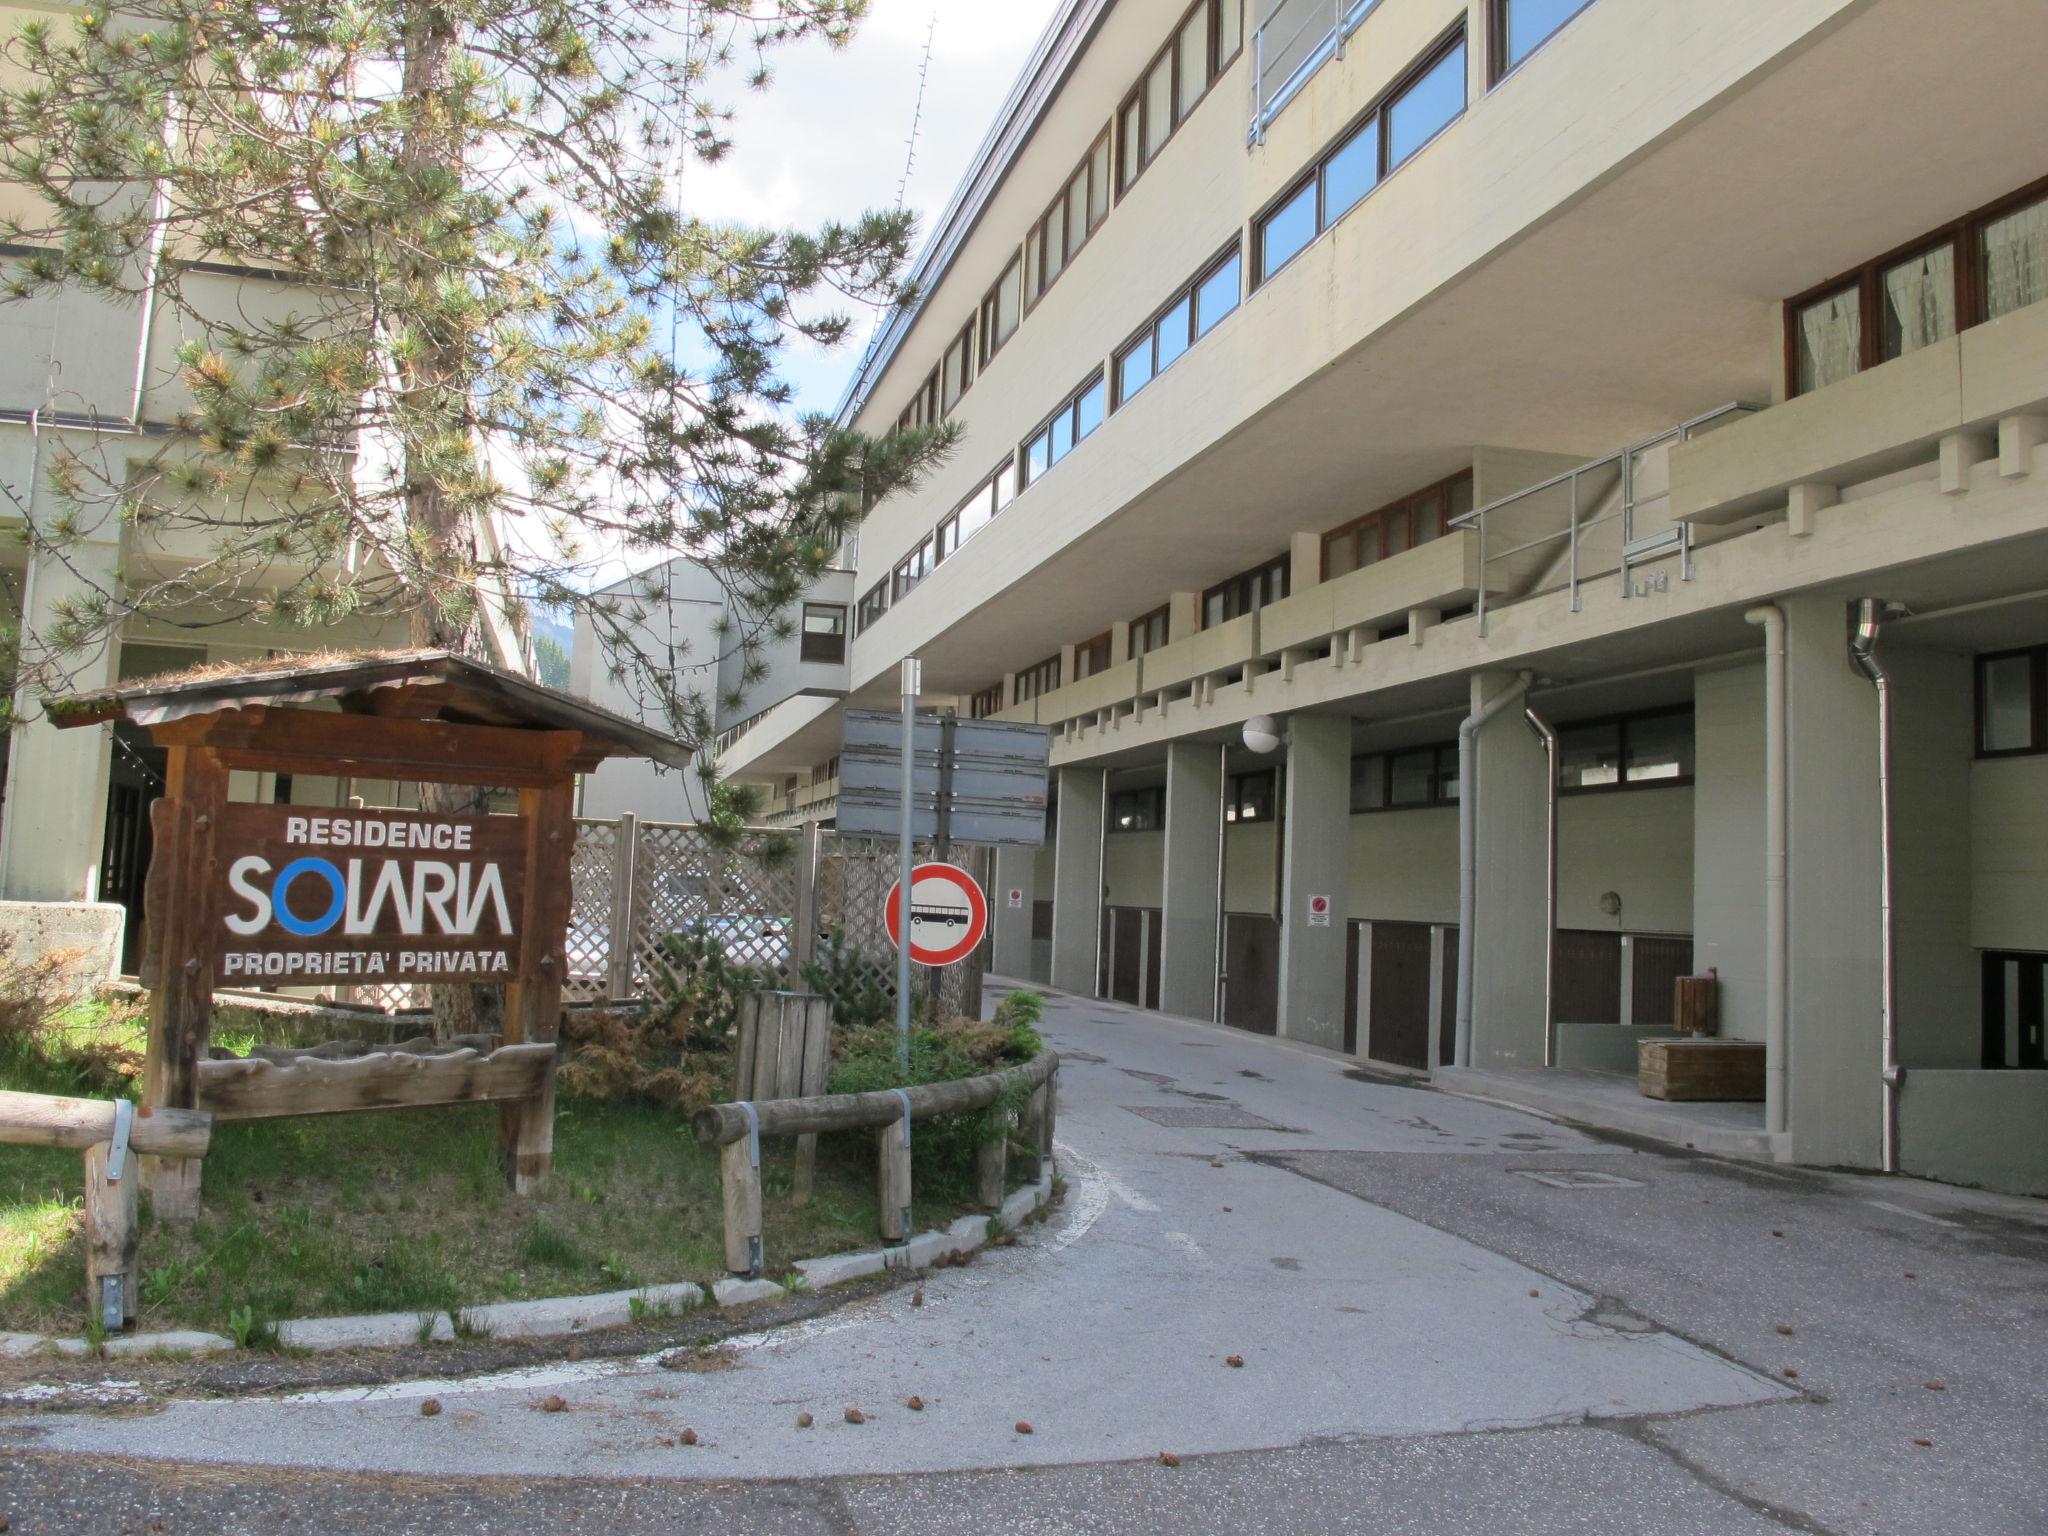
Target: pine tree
<point>484,309</point>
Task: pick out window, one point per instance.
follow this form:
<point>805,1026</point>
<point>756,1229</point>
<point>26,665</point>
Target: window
<point>1650,750</point>
<point>1981,267</point>
<point>824,632</point>
<point>1081,205</point>
<point>1091,656</point>
<point>1188,316</point>
<point>1418,108</point>
<point>1137,810</point>
<point>1250,796</point>
<point>1080,415</point>
<point>956,369</point>
<point>1520,27</point>
<point>1042,678</point>
<point>976,512</point>
<point>1414,520</point>
<point>2012,702</point>
<point>1002,309</point>
<point>1209,37</point>
<point>987,702</point>
<point>872,606</point>
<point>1245,593</point>
<point>1148,631</point>
<point>2013,1017</point>
<point>910,570</point>
<point>1413,776</point>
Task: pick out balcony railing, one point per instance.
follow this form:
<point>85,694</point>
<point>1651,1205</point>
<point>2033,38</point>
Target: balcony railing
<point>1291,40</point>
<point>1600,520</point>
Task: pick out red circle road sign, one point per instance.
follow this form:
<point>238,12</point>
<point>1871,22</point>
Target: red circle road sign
<point>948,914</point>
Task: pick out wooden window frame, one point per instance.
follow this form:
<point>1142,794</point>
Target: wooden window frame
<point>1084,172</point>
<point>1234,798</point>
<point>1972,304</point>
<point>965,341</point>
<point>872,605</point>
<point>1410,504</point>
<point>805,648</point>
<point>1623,784</point>
<point>2037,690</point>
<point>1497,66</point>
<point>1096,648</point>
<point>1280,562</point>
<point>989,701</point>
<point>1153,800</point>
<point>1164,614</point>
<point>1072,404</point>
<point>1379,107</point>
<point>1042,677</point>
<point>1213,68</point>
<point>1148,333</point>
<point>991,313</point>
<point>1444,760</point>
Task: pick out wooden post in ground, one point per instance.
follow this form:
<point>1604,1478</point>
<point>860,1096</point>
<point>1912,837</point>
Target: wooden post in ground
<point>112,1218</point>
<point>992,1160</point>
<point>813,1069</point>
<point>1034,1122</point>
<point>742,1188</point>
<point>178,958</point>
<point>619,954</point>
<point>892,1143</point>
<point>533,1005</point>
<point>1051,1089</point>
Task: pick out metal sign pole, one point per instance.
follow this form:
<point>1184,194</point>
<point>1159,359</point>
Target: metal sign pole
<point>910,690</point>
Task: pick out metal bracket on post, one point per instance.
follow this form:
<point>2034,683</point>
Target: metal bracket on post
<point>117,1147</point>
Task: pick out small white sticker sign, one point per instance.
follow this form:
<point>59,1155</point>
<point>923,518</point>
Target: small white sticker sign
<point>1016,899</point>
<point>1319,911</point>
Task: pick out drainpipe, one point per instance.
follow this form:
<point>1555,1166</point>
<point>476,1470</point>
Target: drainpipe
<point>1468,853</point>
<point>1777,928</point>
<point>1870,617</point>
<point>1547,734</point>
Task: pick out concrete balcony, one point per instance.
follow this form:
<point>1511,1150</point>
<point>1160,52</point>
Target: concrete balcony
<point>1974,396</point>
<point>1091,696</point>
<point>1186,665</point>
<point>1443,573</point>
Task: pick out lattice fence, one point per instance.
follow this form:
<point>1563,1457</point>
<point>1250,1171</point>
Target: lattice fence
<point>743,897</point>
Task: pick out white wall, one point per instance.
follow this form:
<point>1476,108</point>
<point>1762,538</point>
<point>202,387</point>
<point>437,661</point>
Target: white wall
<point>1728,842</point>
<point>2009,853</point>
<point>1933,738</point>
<point>1250,856</point>
<point>1404,865</point>
<point>1637,843</point>
<point>1132,864</point>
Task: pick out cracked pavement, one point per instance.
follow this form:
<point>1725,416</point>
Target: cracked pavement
<point>1452,1316</point>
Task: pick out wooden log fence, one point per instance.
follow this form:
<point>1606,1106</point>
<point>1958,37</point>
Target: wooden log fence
<point>114,1136</point>
<point>738,1129</point>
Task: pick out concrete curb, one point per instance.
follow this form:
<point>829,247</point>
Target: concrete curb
<point>559,1316</point>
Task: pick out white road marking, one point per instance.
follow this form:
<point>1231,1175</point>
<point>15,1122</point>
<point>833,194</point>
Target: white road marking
<point>1906,1210</point>
<point>1087,1198</point>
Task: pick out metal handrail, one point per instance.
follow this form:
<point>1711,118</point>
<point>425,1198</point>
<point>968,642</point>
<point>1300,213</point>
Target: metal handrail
<point>1623,460</point>
<point>1345,17</point>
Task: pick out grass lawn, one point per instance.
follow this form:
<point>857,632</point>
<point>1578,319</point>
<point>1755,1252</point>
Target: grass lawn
<point>405,1210</point>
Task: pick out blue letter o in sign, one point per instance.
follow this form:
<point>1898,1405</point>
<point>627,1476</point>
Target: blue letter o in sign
<point>291,872</point>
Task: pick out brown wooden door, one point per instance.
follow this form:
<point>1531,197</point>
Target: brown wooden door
<point>1251,969</point>
<point>1399,1030</point>
<point>1127,959</point>
<point>1447,1011</point>
<point>135,780</point>
<point>1587,980</point>
<point>1660,960</point>
<point>1351,932</point>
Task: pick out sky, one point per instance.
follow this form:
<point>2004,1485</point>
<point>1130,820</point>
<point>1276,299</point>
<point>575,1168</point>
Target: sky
<point>830,136</point>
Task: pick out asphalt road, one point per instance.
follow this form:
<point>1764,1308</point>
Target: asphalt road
<point>1452,1317</point>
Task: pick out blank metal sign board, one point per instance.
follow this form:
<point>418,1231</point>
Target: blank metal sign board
<point>996,779</point>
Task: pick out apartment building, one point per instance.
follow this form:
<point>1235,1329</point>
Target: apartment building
<point>1500,411</point>
<point>102,380</point>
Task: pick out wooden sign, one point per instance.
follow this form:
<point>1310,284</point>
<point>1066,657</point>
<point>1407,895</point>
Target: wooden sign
<point>358,897</point>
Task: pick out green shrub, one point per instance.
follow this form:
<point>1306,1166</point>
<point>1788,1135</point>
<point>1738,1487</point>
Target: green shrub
<point>866,1062</point>
<point>844,975</point>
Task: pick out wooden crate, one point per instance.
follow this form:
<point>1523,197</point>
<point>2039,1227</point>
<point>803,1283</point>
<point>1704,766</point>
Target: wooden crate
<point>1700,1069</point>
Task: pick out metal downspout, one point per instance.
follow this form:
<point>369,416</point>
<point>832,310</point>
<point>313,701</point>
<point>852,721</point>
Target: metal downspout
<point>1547,734</point>
<point>1468,854</point>
<point>1777,930</point>
<point>1216,998</point>
<point>1870,616</point>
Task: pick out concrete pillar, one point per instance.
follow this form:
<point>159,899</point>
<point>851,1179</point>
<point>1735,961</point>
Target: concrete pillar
<point>1192,884</point>
<point>52,835</point>
<point>1508,949</point>
<point>1183,615</point>
<point>1016,870</point>
<point>1077,879</point>
<point>1315,879</point>
<point>1304,561</point>
<point>1835,1093</point>
<point>1728,870</point>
